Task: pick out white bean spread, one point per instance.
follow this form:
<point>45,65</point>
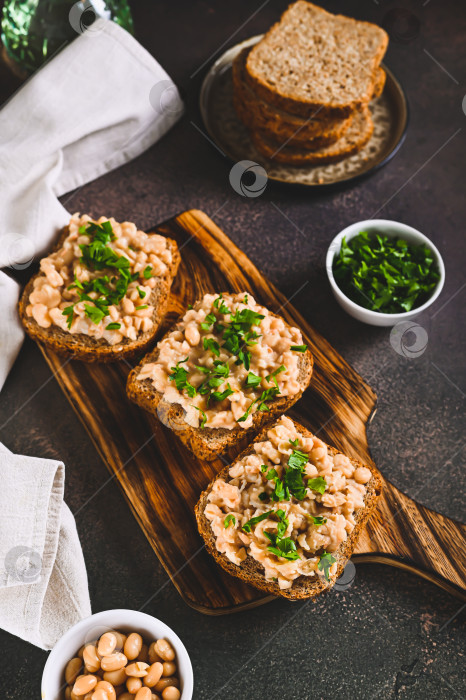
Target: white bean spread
<point>100,281</point>
<point>225,360</point>
<point>289,505</point>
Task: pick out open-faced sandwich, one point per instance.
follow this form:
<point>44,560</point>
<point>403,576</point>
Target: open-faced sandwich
<point>101,295</point>
<point>226,369</point>
<point>286,515</point>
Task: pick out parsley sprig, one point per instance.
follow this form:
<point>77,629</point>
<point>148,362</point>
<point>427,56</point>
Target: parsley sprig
<point>325,562</point>
<point>385,274</point>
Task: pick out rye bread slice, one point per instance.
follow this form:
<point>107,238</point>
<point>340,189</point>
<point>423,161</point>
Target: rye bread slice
<point>355,138</point>
<point>82,347</point>
<point>209,443</point>
<point>252,572</point>
<point>313,59</point>
<point>256,113</point>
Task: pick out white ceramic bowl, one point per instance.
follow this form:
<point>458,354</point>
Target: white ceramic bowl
<point>395,230</point>
<point>92,627</point>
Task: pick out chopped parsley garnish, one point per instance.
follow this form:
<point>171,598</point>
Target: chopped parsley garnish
<point>317,484</point>
<point>253,380</point>
<point>285,548</point>
<point>385,274</point>
<point>222,395</point>
<point>203,415</point>
<point>141,293</point>
<point>299,348</point>
<point>295,443</point>
<point>281,546</point>
<point>273,376</point>
<point>325,562</point>
<point>263,496</point>
<point>229,519</point>
<point>209,322</point>
<point>95,313</point>
<point>257,519</point>
<point>221,306</point>
<point>142,306</point>
<point>316,519</point>
<point>297,459</point>
<point>267,395</point>
<point>147,272</point>
<point>113,326</point>
<point>212,345</point>
<point>69,313</point>
<point>244,358</point>
<point>180,376</point>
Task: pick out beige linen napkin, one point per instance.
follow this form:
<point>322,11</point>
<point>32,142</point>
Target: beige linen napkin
<point>43,581</point>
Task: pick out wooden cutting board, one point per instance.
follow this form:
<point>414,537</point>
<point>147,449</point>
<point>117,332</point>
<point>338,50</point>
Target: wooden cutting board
<point>162,481</point>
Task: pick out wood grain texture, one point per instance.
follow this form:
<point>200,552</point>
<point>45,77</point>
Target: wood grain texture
<point>162,481</point>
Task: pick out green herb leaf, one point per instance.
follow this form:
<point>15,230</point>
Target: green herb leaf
<point>147,272</point>
<point>221,396</point>
<point>113,326</point>
<point>267,395</point>
<point>317,484</point>
<point>299,348</point>
<point>257,519</point>
<point>212,345</point>
<point>221,306</point>
<point>180,376</point>
<point>229,519</point>
<point>316,519</point>
<point>141,293</point>
<point>253,380</point>
<point>297,459</point>
<point>295,443</point>
<point>208,322</point>
<point>273,376</point>
<point>325,562</point>
<point>285,548</point>
<point>203,414</point>
<point>142,306</point>
<point>69,313</point>
<point>95,313</point>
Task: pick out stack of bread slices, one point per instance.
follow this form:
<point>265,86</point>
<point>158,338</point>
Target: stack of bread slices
<point>303,91</point>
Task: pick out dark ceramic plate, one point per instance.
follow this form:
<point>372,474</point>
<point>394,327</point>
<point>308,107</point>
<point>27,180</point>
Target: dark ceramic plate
<point>389,113</point>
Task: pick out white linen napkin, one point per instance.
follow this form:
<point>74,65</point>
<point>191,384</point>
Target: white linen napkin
<point>43,581</point>
<point>100,102</point>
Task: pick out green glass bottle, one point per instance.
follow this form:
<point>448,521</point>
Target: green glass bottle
<point>34,30</point>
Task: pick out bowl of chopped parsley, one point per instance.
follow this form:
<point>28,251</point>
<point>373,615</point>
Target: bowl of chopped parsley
<point>382,272</point>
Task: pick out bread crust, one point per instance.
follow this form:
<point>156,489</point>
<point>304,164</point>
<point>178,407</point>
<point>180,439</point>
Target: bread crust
<point>305,108</point>
<point>209,443</point>
<point>252,572</point>
<point>349,144</point>
<point>82,347</point>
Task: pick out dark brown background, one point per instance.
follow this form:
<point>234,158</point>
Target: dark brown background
<point>388,635</point>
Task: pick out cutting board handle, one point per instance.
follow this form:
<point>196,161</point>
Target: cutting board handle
<point>406,534</point>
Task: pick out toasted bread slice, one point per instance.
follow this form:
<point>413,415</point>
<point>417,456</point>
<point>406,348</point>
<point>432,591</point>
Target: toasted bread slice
<point>351,142</point>
<point>312,59</point>
<point>83,347</point>
<point>209,443</point>
<point>252,572</point>
<point>256,113</point>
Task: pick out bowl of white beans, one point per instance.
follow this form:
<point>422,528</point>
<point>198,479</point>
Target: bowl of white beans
<point>118,654</point>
